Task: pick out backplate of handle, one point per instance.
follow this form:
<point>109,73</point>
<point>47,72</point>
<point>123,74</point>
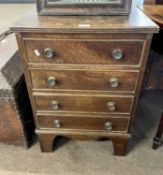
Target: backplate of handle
<point>108,126</point>
<point>55,105</point>
<point>52,81</point>
<point>57,123</point>
<point>117,54</point>
<point>48,53</point>
<point>111,106</point>
<point>114,82</point>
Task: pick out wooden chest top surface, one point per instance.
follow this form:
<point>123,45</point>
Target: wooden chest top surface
<point>137,20</point>
<point>155,12</point>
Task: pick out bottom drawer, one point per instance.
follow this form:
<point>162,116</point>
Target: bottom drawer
<point>84,123</point>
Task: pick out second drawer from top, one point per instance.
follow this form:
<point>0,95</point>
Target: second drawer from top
<point>117,81</point>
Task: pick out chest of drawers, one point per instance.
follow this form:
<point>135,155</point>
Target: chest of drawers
<point>84,74</point>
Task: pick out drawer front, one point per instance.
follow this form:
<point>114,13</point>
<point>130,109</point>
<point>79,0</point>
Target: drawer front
<point>84,52</point>
<point>84,103</point>
<point>85,123</point>
<point>84,80</point>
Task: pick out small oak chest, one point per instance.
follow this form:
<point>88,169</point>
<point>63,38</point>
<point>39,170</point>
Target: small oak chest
<point>84,74</point>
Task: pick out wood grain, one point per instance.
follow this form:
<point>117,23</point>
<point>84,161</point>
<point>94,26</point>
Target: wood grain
<point>119,140</point>
<point>75,51</point>
<point>136,22</point>
<point>83,123</point>
<point>89,80</point>
<point>83,102</point>
<point>155,12</point>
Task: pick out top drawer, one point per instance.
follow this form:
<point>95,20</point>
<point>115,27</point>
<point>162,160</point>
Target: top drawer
<point>84,51</point>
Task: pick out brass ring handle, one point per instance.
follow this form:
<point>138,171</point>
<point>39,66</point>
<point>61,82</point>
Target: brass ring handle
<point>117,54</point>
<point>55,105</point>
<point>111,106</point>
<point>114,82</point>
<point>57,123</point>
<point>48,53</point>
<point>52,81</point>
<point>108,126</point>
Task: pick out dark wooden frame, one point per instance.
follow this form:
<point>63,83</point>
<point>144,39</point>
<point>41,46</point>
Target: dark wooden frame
<point>112,9</point>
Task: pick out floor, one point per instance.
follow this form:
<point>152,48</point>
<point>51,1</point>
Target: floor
<point>9,44</point>
<point>9,13</point>
<point>93,157</point>
<point>86,157</point>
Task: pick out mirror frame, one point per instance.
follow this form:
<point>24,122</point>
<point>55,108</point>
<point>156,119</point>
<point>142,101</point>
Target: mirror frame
<point>122,8</point>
